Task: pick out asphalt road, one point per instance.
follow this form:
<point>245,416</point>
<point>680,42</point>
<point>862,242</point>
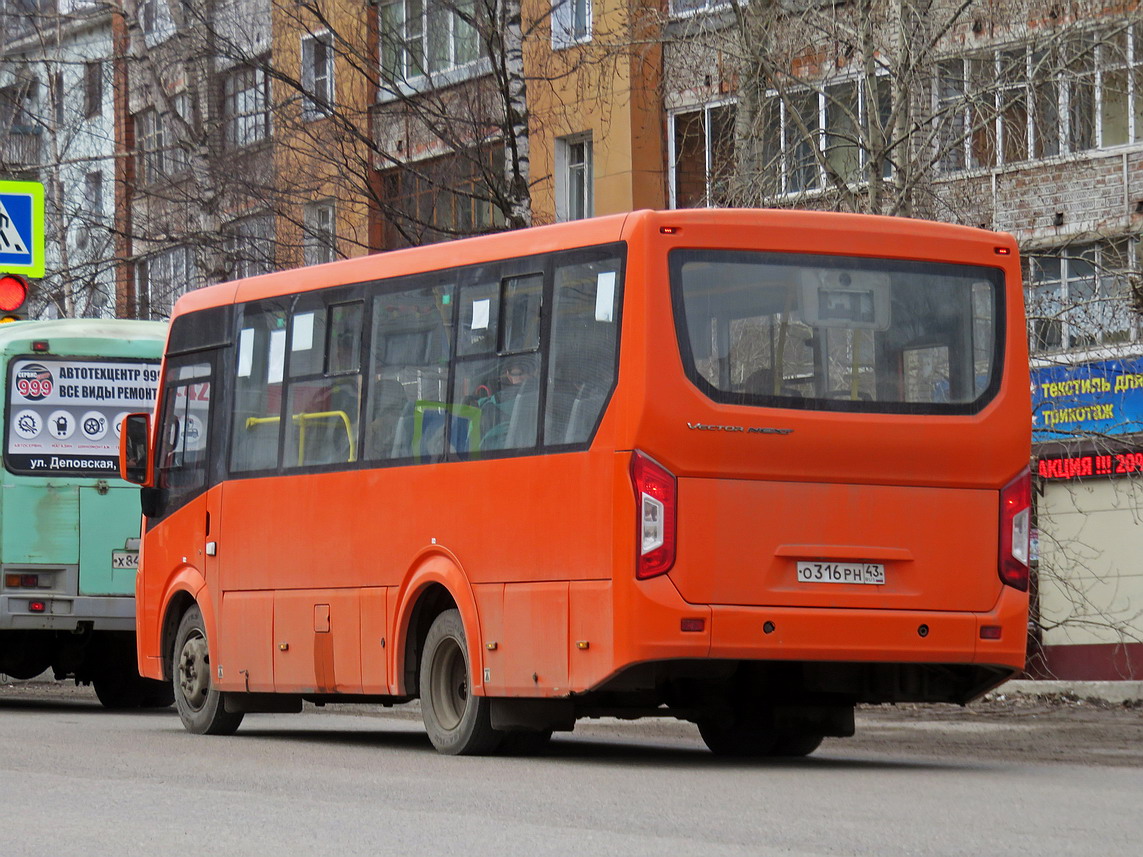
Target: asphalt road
<point>77,780</point>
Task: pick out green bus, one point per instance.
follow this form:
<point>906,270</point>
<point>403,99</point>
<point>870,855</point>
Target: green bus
<point>69,526</point>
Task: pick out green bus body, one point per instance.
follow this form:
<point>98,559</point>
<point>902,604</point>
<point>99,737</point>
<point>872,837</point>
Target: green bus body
<point>69,537</point>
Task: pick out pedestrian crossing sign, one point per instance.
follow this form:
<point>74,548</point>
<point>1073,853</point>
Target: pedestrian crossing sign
<point>22,228</point>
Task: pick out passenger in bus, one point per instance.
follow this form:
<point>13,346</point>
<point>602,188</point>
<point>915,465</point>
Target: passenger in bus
<point>515,384</point>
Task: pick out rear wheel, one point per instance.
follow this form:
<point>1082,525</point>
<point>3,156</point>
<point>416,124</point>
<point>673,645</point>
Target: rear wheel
<point>456,720</point>
<point>525,743</point>
<point>736,735</point>
<point>750,733</point>
<point>200,705</point>
<point>796,744</point>
<point>118,689</point>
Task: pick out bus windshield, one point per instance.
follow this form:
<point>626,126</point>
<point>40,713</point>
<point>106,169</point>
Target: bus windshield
<point>838,333</point>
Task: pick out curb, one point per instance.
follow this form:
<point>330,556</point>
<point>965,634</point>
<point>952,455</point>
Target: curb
<point>1118,692</point>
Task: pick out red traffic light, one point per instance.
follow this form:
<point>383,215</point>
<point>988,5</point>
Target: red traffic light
<point>13,292</point>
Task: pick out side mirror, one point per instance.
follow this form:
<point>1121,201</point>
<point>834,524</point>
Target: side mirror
<point>135,464</point>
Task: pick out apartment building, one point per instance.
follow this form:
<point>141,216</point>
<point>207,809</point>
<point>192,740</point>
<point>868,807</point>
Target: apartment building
<point>57,128</point>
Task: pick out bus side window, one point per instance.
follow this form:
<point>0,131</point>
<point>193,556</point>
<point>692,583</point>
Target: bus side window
<point>581,366</point>
<point>258,387</point>
<point>409,366</point>
<point>182,463</point>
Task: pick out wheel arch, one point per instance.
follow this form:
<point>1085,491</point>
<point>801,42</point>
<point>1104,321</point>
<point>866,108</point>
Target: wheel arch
<point>433,585</point>
<point>185,591</point>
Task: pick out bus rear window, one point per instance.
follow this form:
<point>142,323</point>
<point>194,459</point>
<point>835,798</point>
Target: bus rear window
<point>838,333</point>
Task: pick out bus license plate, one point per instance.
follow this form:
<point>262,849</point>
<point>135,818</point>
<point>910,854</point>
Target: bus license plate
<point>841,572</point>
<point>125,559</point>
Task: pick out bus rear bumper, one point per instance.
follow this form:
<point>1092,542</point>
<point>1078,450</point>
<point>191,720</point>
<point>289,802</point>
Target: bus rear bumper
<point>54,612</point>
<point>995,638</point>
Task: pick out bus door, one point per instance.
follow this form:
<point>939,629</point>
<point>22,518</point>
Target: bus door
<point>188,538</point>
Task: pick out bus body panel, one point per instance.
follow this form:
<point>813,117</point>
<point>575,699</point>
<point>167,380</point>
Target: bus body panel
<point>40,521</point>
<point>101,506</point>
<point>740,540</point>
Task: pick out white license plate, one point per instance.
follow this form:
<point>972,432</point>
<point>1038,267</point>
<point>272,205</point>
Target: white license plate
<point>125,559</point>
<point>841,572</point>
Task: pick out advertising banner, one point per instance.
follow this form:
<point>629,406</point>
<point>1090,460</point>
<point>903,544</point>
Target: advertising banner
<point>1104,397</point>
<point>64,415</point>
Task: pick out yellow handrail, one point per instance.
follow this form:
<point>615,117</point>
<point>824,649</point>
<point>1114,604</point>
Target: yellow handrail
<point>305,418</point>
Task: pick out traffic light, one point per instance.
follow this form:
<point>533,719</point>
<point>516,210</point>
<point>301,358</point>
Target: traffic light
<point>13,293</point>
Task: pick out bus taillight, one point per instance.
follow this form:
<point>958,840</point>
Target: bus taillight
<point>1015,530</point>
<point>655,494</point>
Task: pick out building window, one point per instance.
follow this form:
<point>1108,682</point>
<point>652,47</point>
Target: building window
<point>92,89</point>
<point>246,106</point>
<point>571,22</point>
<point>178,158</point>
<point>91,216</point>
<point>689,7</point>
<point>1080,296</point>
<point>1074,94</point>
<point>148,12</point>
<point>702,156</point>
<point>425,37</point>
<point>574,198</point>
<point>160,279</point>
<point>317,75</point>
<point>440,199</point>
<point>249,245</point>
<point>319,243</point>
<point>812,139</point>
<point>150,147</point>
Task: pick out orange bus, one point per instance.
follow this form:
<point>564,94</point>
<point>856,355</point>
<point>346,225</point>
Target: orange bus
<point>742,468</point>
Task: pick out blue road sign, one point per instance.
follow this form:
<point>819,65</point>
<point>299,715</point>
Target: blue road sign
<point>22,228</point>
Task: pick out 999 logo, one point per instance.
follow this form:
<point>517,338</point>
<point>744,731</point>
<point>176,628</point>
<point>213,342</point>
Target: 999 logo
<point>34,382</point>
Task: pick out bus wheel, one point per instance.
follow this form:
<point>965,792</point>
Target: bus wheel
<point>157,694</point>
<point>525,743</point>
<point>795,744</point>
<point>200,705</point>
<point>118,689</point>
<point>457,721</point>
<point>737,735</point>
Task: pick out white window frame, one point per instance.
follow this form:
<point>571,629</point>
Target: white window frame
<point>960,115</point>
<point>160,279</point>
<point>317,83</point>
<point>150,146</point>
<point>1053,300</point>
<point>575,171</point>
<point>319,243</point>
<point>421,39</point>
<point>249,242</point>
<point>246,106</point>
<point>708,149</point>
<point>821,133</point>
<point>571,23</point>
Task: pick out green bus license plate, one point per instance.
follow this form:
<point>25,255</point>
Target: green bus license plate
<point>872,573</point>
<point>125,559</point>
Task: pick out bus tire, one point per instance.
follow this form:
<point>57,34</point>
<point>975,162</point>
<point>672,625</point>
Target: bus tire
<point>200,705</point>
<point>525,743</point>
<point>118,690</point>
<point>736,736</point>
<point>157,694</point>
<point>795,744</point>
<point>457,721</point>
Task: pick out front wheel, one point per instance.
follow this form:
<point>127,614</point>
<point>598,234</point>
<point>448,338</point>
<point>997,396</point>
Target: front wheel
<point>457,721</point>
<point>200,705</point>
